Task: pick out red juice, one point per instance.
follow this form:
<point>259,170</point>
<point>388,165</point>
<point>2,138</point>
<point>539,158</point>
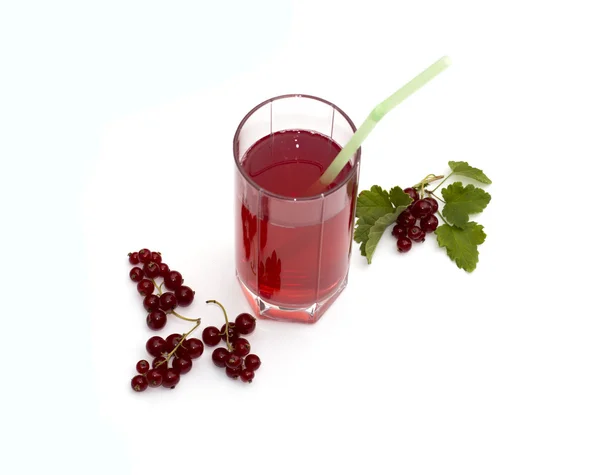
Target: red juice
<point>289,162</point>
<point>294,253</point>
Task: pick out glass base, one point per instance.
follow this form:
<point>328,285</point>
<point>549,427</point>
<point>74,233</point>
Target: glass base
<point>310,314</point>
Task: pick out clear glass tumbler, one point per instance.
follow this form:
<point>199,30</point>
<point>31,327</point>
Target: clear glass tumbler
<point>292,250</point>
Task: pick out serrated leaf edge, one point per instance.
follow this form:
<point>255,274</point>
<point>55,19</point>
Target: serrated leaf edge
<point>446,201</point>
<point>485,177</point>
<point>454,259</point>
<point>384,221</point>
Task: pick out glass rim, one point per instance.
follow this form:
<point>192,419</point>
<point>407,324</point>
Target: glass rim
<point>255,185</point>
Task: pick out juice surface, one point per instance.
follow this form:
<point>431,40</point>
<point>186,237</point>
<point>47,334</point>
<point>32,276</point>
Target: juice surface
<point>288,162</point>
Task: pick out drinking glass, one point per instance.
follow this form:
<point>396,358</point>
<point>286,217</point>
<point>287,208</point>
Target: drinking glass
<point>292,253</point>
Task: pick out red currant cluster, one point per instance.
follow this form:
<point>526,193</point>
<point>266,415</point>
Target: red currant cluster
<point>160,304</point>
<point>407,229</point>
<point>235,357</point>
<point>172,357</point>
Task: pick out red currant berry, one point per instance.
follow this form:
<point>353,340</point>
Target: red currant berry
<point>252,362</point>
<point>156,320</point>
<point>406,219</point>
<point>155,378</point>
<point>433,203</point>
<point>151,302</point>
<point>156,257</point>
<point>245,323</point>
<point>220,357</point>
<point>421,208</point>
<point>172,341</point>
<point>211,336</point>
<point>183,364</point>
<point>241,347</point>
<point>403,244</point>
<point>151,270</point>
<point>142,366</point>
<point>139,383</point>
<point>416,234</point>
<point>173,280</point>
<point>136,274</point>
<point>164,269</point>
<point>155,345</point>
<point>247,375</point>
<point>168,301</point>
<point>144,255</point>
<point>134,258</point>
<point>398,231</point>
<point>185,295</point>
<point>182,350</point>
<point>160,364</point>
<point>233,372</point>
<point>233,334</point>
<point>194,347</point>
<point>429,224</point>
<point>170,378</point>
<point>413,193</point>
<point>234,361</point>
<point>145,287</point>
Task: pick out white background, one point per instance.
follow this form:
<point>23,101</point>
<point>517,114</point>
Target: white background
<point>116,120</point>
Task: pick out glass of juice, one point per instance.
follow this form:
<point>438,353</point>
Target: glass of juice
<point>293,246</point>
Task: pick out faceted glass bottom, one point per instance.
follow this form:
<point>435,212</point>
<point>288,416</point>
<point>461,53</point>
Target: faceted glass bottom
<point>308,314</point>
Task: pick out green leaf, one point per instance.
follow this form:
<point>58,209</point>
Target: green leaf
<point>378,229</point>
<point>373,203</point>
<point>363,226</point>
<point>463,201</point>
<point>464,169</point>
<point>399,198</point>
<point>376,209</point>
<point>461,244</point>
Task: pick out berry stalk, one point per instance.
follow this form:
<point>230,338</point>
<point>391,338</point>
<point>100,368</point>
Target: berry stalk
<point>229,347</point>
<point>158,287</point>
<point>173,312</point>
<point>442,182</point>
<point>183,337</point>
<point>431,193</point>
<point>443,219</point>
<point>427,180</point>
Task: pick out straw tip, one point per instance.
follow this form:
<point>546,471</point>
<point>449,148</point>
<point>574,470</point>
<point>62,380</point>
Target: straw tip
<point>446,61</point>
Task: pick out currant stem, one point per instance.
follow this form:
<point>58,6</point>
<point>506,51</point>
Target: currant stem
<point>435,196</point>
<point>442,182</point>
<point>183,337</point>
<point>158,287</point>
<point>427,180</point>
<point>229,347</point>
<point>182,317</point>
<point>440,215</point>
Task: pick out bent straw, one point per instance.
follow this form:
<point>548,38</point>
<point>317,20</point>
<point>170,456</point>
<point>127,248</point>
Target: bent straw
<point>374,117</point>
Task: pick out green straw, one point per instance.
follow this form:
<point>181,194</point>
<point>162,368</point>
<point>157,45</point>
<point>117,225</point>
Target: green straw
<point>376,115</point>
